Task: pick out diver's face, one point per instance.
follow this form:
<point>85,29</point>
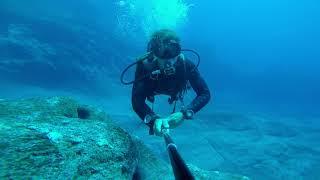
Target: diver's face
<point>168,49</point>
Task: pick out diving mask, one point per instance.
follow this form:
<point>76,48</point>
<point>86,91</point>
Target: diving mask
<point>165,49</point>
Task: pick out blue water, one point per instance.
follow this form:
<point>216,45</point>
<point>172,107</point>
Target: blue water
<point>259,58</point>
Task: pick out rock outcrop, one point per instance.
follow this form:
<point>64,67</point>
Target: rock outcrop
<point>57,138</point>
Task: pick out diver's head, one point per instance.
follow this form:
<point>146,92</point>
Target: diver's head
<point>164,44</point>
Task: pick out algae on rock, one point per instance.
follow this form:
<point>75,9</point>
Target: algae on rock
<point>43,138</point>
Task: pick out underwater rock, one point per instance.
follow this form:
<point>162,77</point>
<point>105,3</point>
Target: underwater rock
<point>32,56</point>
<point>43,138</point>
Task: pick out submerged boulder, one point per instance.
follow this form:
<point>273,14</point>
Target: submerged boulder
<point>49,138</point>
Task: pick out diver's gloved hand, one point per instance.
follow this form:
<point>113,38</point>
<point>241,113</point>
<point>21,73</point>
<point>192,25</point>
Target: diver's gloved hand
<point>170,122</point>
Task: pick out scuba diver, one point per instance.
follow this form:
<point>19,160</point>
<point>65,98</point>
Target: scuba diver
<point>165,70</point>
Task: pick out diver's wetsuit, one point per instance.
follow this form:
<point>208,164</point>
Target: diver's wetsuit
<point>168,85</point>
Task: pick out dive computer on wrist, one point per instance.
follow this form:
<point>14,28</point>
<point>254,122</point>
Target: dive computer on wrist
<point>187,114</point>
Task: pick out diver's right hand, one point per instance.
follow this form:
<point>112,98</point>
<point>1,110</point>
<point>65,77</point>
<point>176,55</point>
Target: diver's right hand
<point>160,125</point>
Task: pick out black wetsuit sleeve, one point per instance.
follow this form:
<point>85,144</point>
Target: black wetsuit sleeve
<point>199,86</point>
<point>139,95</point>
